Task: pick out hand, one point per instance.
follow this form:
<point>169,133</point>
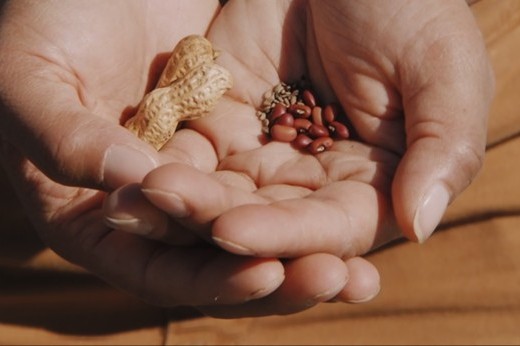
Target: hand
<point>69,72</point>
<point>414,80</point>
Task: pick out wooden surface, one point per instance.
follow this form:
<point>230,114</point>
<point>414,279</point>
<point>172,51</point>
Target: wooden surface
<point>461,287</point>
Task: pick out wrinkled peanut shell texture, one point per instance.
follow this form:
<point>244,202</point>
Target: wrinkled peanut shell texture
<point>189,88</point>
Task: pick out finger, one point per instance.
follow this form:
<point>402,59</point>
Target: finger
<point>343,218</point>
<point>158,273</point>
<point>190,148</point>
<point>194,198</point>
<point>364,282</point>
<point>308,281</point>
<point>66,141</point>
<point>127,209</point>
<point>170,276</point>
<point>446,107</point>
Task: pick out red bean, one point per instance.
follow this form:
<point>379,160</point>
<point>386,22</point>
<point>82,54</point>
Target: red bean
<point>316,131</point>
<point>283,133</point>
<point>285,119</point>
<point>302,141</point>
<point>339,130</point>
<point>277,111</point>
<point>329,114</point>
<point>300,111</point>
<point>320,145</point>
<point>302,125</point>
<point>308,98</point>
<point>316,116</point>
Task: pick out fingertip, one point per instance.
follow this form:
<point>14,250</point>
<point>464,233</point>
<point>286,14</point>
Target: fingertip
<point>233,247</point>
<point>430,211</point>
<point>421,195</point>
<point>364,282</point>
<point>269,274</point>
<point>240,281</point>
<point>124,163</point>
<point>237,231</point>
<point>128,210</point>
<point>330,277</point>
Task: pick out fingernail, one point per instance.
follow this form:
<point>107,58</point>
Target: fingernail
<point>171,201</point>
<point>123,164</point>
<point>233,247</point>
<point>366,298</point>
<point>133,225</point>
<point>327,294</point>
<point>263,292</point>
<point>430,212</point>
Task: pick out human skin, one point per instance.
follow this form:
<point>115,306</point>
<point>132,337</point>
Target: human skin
<point>69,74</point>
<point>415,81</point>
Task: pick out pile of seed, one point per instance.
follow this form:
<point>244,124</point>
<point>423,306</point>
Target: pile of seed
<point>291,113</point>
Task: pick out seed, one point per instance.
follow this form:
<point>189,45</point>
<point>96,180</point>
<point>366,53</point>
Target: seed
<point>316,115</point>
<point>300,110</point>
<point>267,103</point>
<point>292,114</point>
<point>283,133</point>
<point>339,130</point>
<point>329,114</point>
<point>268,95</point>
<point>302,141</point>
<point>316,131</point>
<point>285,119</point>
<point>302,125</point>
<point>265,125</point>
<point>260,115</point>
<point>277,111</point>
<point>308,98</point>
<point>320,145</point>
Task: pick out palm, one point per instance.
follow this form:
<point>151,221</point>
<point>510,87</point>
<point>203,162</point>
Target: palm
<point>338,201</point>
<point>107,72</point>
<point>101,56</point>
<point>342,194</point>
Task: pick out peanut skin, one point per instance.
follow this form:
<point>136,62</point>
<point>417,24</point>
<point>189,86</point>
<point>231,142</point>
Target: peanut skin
<point>189,88</point>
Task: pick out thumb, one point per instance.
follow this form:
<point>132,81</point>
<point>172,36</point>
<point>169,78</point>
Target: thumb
<point>446,125</point>
<point>81,149</point>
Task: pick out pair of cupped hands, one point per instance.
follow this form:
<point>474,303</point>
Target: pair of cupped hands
<point>219,219</point>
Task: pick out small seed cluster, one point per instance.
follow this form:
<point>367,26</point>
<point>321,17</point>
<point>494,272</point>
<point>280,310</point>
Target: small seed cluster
<point>291,113</point>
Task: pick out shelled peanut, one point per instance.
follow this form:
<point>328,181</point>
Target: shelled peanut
<point>296,117</point>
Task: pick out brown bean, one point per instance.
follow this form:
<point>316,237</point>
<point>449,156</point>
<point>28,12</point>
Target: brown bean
<point>317,116</point>
<point>285,119</point>
<point>302,141</point>
<point>316,131</point>
<point>278,110</point>
<point>283,133</point>
<point>299,110</point>
<point>329,114</point>
<point>339,130</point>
<point>302,125</point>
<point>320,145</point>
<point>308,98</point>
